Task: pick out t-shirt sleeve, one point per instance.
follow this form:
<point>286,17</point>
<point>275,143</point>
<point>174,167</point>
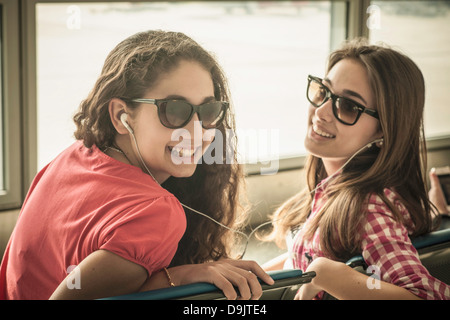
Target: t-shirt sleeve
<point>387,247</point>
<point>147,233</point>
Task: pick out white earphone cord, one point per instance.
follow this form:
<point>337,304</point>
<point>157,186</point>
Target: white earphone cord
<point>247,237</point>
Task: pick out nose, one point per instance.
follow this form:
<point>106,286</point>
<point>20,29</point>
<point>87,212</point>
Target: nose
<point>325,111</point>
<point>190,135</point>
<point>194,127</point>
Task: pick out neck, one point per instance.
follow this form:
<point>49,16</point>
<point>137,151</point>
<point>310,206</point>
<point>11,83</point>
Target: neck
<point>122,151</point>
<point>332,165</point>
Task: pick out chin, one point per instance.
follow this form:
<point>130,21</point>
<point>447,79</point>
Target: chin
<point>319,152</point>
<point>312,148</point>
<point>186,172</point>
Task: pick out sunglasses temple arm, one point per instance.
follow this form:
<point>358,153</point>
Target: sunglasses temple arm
<point>151,101</point>
<point>371,112</point>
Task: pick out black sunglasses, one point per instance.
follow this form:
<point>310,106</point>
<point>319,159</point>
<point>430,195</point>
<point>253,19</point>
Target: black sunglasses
<point>175,114</point>
<point>345,110</point>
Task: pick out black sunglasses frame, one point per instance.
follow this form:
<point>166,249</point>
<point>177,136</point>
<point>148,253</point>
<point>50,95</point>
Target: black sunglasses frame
<point>194,109</point>
<point>329,95</point>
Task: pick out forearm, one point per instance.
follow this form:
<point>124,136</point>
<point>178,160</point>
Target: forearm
<point>225,274</point>
<point>276,263</point>
<point>343,282</point>
<point>157,280</point>
<point>180,275</point>
<point>101,274</point>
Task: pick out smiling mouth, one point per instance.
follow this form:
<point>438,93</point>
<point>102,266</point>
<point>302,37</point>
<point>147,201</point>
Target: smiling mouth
<point>322,133</point>
<point>183,152</point>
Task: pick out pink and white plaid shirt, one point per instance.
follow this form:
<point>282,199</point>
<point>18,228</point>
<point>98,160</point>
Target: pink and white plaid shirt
<point>385,245</point>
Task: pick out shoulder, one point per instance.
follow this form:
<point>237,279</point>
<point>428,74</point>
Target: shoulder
<point>386,202</point>
<point>154,218</point>
<point>91,186</point>
<point>386,216</point>
<point>161,206</point>
<point>388,205</point>
<point>145,232</point>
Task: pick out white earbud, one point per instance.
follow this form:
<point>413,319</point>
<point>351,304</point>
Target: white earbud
<point>123,118</point>
<point>369,145</point>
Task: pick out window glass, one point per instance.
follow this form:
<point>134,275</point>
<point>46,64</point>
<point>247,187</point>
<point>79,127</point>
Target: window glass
<point>421,29</point>
<point>266,49</point>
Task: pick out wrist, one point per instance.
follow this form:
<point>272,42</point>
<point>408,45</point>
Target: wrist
<point>169,278</point>
<point>180,275</point>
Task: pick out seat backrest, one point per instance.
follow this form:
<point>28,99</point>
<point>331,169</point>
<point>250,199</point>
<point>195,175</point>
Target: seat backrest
<point>286,285</point>
<point>434,253</point>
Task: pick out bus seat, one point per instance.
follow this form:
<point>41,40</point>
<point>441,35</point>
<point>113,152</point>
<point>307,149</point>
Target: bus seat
<point>287,283</point>
<point>434,253</point>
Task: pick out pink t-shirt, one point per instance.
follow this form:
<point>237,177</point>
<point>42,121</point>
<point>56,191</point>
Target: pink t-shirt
<point>81,202</point>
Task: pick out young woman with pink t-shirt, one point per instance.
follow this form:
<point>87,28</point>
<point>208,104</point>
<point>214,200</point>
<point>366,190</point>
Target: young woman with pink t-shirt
<point>104,218</point>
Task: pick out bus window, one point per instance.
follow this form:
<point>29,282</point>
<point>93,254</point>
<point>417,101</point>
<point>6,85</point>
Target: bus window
<point>265,48</point>
<point>421,29</point>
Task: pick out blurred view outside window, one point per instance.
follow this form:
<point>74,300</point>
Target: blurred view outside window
<point>267,49</point>
<point>421,29</point>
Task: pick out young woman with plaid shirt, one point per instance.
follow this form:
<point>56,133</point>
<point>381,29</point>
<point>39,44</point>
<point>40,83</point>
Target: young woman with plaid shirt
<point>366,191</point>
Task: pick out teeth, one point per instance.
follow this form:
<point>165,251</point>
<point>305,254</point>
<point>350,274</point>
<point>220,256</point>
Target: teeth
<point>181,152</point>
<point>322,133</point>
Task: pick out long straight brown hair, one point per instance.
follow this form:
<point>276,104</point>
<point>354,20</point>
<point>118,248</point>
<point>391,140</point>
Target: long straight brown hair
<point>130,69</point>
<point>400,164</point>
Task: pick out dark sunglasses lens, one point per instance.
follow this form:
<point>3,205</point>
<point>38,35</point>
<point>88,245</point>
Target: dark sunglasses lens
<point>347,111</point>
<point>316,93</point>
<point>211,114</point>
<point>175,114</point>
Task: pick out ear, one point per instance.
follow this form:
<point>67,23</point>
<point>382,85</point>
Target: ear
<point>380,143</point>
<point>380,135</point>
<point>116,108</point>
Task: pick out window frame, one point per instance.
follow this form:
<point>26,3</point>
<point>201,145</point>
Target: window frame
<point>11,196</point>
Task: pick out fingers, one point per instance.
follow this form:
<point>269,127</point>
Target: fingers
<point>253,267</point>
<point>228,278</point>
<point>243,275</point>
<point>434,180</point>
<point>225,285</point>
<point>436,194</point>
<point>248,285</point>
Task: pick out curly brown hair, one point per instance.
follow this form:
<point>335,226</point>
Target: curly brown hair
<point>130,69</point>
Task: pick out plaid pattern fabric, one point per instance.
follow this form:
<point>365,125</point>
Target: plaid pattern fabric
<point>386,247</point>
